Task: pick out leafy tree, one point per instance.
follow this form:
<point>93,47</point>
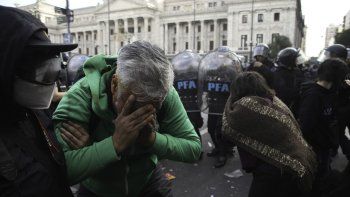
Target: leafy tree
<point>279,43</point>
<point>343,38</point>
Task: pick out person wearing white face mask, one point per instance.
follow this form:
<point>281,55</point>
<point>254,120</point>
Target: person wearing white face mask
<point>31,162</point>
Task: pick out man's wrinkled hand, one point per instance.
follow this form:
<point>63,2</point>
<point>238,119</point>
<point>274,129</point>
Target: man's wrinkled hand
<point>147,135</point>
<point>128,124</point>
<point>74,135</point>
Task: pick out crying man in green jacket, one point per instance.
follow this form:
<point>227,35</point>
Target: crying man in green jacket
<point>119,120</point>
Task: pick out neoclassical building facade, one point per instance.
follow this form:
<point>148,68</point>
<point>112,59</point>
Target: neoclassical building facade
<point>176,25</point>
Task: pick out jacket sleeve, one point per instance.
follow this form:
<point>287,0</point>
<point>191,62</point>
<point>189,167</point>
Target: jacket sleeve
<point>75,106</point>
<point>176,139</point>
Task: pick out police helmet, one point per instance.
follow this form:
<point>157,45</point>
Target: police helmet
<point>261,50</point>
<point>337,51</point>
<point>75,68</point>
<point>290,58</point>
<point>185,61</point>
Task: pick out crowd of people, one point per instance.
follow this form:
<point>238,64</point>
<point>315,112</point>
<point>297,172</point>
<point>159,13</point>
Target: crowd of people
<point>121,115</point>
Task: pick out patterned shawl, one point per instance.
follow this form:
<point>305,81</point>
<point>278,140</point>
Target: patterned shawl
<point>269,131</point>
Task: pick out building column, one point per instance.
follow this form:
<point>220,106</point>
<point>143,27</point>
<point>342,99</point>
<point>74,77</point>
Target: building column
<point>166,38</point>
<point>177,40</point>
<point>216,34</point>
<point>116,35</point>
<point>88,41</point>
<point>156,31</point>
<point>108,38</point>
<point>105,38</point>
<point>126,31</point>
<point>145,19</point>
<point>84,45</point>
<point>125,25</point>
<point>93,41</point>
<point>135,27</point>
<point>116,27</point>
<point>194,39</point>
<point>230,30</point>
<point>202,37</point>
<point>100,38</point>
<point>190,33</point>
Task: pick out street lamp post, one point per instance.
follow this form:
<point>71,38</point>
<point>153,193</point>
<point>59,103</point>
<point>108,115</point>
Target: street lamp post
<point>68,15</point>
<point>251,33</point>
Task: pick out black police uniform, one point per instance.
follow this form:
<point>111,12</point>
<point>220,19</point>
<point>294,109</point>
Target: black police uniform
<point>288,79</point>
<point>266,70</point>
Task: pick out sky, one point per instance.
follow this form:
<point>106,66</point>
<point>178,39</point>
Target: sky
<point>318,15</point>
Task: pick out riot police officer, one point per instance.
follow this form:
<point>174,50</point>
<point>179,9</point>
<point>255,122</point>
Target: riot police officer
<point>185,65</point>
<point>262,64</point>
<point>288,77</point>
<point>217,71</point>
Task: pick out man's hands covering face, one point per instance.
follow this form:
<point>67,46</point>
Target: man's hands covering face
<point>129,124</point>
<point>147,134</point>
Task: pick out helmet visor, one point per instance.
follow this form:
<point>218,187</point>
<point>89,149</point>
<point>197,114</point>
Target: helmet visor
<point>260,50</point>
<point>301,59</point>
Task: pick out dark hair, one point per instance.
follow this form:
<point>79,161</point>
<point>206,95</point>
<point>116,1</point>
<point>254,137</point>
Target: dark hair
<point>333,70</point>
<point>250,84</point>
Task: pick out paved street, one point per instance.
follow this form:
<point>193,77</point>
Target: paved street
<point>202,180</point>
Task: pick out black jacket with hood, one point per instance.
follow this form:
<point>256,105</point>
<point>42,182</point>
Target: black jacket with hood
<point>317,116</point>
<point>31,163</point>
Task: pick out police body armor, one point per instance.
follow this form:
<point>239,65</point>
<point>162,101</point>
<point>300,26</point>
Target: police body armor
<point>217,70</point>
<point>185,65</point>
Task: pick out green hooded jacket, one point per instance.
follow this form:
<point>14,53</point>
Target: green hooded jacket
<point>97,166</point>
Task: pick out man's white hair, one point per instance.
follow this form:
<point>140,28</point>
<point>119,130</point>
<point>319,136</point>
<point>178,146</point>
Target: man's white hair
<point>143,69</point>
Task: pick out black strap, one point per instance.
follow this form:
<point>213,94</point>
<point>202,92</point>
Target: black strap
<point>47,132</point>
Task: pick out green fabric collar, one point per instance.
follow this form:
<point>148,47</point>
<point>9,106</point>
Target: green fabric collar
<point>99,71</point>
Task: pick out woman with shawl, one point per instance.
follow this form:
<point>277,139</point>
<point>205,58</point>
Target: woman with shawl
<point>268,138</point>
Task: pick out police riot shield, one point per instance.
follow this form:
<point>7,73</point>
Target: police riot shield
<point>75,68</point>
<point>185,65</point>
<point>217,70</point>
